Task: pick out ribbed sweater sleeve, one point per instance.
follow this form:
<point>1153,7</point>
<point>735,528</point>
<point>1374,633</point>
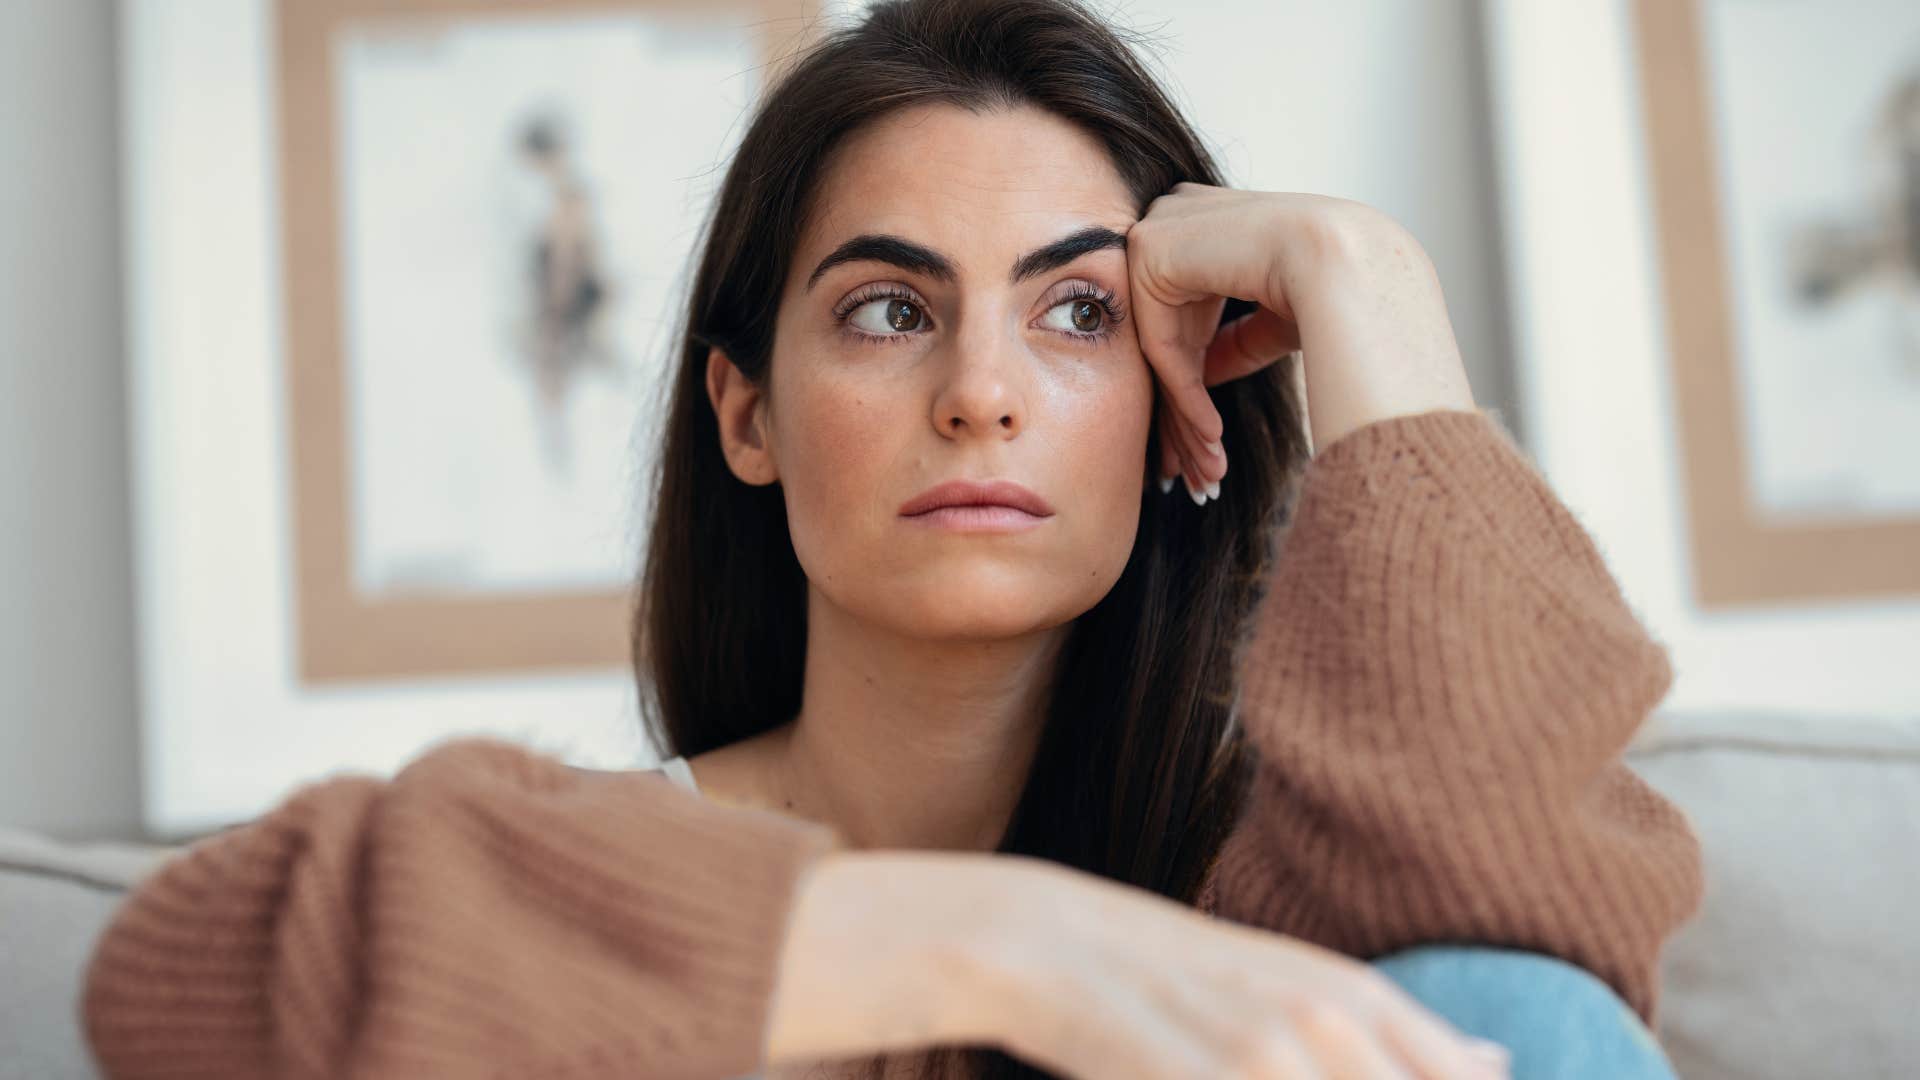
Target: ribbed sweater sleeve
<point>490,911</point>
<point>1439,686</point>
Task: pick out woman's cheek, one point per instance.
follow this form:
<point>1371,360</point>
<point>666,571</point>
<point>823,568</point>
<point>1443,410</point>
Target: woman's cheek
<point>1097,432</point>
<point>837,441</point>
<point>1125,420</point>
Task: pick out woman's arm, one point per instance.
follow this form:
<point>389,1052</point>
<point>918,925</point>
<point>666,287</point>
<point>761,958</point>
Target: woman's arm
<point>1442,675</point>
<point>1440,684</point>
<point>493,912</point>
<point>488,910</point>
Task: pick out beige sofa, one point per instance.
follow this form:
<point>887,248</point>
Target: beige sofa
<point>1804,961</point>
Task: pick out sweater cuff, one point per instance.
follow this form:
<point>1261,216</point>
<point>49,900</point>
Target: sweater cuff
<point>703,891</point>
<point>757,860</point>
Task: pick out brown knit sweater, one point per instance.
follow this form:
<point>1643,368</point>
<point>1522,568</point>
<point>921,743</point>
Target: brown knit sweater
<point>1440,684</point>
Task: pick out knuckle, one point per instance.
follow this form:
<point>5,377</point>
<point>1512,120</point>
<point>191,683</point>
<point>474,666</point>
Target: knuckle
<point>1359,229</point>
<point>1330,235</point>
<point>1323,1018</point>
<point>1263,1052</point>
<point>1333,1031</point>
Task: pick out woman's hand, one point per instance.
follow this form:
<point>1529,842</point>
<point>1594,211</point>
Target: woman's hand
<point>1338,280</point>
<point>1085,977</point>
<point>1113,981</point>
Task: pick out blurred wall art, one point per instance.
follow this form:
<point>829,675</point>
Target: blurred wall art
<point>1784,157</point>
<point>401,281</point>
<point>486,222</point>
<point>1708,216</point>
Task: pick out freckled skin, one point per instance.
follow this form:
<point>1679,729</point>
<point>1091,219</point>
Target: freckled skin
<point>857,429</point>
<point>928,651</point>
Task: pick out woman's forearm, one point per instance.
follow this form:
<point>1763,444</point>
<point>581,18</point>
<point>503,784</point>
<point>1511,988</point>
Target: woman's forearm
<point>1075,973</point>
<point>886,951</point>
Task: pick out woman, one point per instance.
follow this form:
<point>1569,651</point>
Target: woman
<point>1106,782</point>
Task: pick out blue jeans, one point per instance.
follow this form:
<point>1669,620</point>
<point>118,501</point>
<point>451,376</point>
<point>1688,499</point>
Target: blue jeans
<point>1560,1021</point>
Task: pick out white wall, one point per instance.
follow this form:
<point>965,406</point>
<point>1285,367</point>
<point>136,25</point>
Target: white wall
<point>1596,362</point>
<point>1383,101</point>
<point>1380,101</point>
<point>68,741</point>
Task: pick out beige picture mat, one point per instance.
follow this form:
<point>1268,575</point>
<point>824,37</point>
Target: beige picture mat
<point>344,636</point>
<point>1738,558</point>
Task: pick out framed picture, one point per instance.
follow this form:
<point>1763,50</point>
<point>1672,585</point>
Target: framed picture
<point>401,279</point>
<point>1787,201</point>
<point>484,210</point>
<point>1712,325</point>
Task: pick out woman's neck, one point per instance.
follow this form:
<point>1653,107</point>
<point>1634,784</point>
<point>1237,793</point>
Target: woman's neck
<point>899,742</point>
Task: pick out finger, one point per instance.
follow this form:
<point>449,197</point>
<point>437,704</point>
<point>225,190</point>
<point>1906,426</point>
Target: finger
<point>1416,1033</point>
<point>1169,444</point>
<point>1172,352</point>
<point>1440,1049</point>
<point>1276,1052</point>
<point>1190,456</point>
<point>1345,1048</point>
<point>1215,464</point>
<point>1123,1035</point>
<point>1191,397</point>
<point>1247,344</point>
<point>1204,428</point>
<point>1209,462</point>
<point>1171,332</point>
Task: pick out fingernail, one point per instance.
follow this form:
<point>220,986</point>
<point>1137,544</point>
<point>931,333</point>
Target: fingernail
<point>1213,490</point>
<point>1166,484</point>
<point>1214,448</point>
<point>1199,498</point>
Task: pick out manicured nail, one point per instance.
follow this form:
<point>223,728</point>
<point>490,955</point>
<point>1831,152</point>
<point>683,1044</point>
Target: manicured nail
<point>1214,448</point>
<point>1213,490</point>
<point>1166,484</point>
<point>1199,498</point>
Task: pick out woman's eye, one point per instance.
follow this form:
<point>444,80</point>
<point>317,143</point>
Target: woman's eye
<point>890,315</point>
<point>1083,316</point>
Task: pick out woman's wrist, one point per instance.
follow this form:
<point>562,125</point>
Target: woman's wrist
<point>1312,240</point>
<point>1376,336</point>
<point>891,951</point>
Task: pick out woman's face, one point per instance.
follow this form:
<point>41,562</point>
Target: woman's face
<point>981,358</point>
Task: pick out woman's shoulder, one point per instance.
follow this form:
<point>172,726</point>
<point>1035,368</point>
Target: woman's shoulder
<point>731,775</point>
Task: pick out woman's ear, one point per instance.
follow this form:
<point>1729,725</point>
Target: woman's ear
<point>737,403</point>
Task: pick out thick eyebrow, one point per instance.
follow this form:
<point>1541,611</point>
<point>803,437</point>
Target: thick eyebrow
<point>1065,250</point>
<point>920,259</point>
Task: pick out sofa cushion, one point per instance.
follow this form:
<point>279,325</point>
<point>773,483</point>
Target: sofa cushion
<point>1804,959</point>
<point>55,898</point>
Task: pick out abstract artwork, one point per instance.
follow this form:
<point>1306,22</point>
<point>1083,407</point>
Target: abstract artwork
<point>1784,156</point>
<point>490,208</point>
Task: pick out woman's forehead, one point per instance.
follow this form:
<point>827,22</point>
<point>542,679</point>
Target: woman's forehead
<point>985,188</point>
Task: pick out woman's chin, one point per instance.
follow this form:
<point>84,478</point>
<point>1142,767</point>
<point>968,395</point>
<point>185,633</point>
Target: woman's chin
<point>981,607</point>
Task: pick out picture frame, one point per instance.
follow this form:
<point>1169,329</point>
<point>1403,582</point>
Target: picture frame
<point>370,71</point>
<point>1817,544</point>
<point>1608,420</point>
<point>259,668</point>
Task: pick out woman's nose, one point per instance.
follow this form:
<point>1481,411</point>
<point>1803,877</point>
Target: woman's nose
<point>983,385</point>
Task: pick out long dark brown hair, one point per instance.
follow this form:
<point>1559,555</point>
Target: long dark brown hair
<point>1142,768</point>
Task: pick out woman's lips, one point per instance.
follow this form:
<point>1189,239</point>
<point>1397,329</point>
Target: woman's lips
<point>984,518</point>
<point>977,493</point>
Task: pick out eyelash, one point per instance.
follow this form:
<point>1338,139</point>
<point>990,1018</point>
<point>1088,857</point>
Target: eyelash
<point>1115,311</point>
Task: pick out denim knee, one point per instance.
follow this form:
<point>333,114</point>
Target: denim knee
<point>1560,1021</point>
